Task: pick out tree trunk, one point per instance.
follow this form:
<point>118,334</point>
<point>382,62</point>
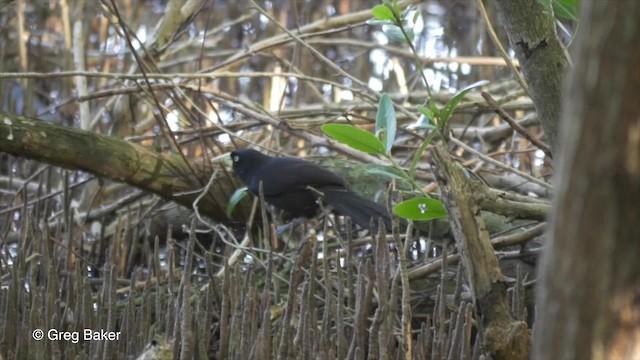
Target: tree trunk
<point>589,291</point>
<point>542,58</point>
<point>503,335</point>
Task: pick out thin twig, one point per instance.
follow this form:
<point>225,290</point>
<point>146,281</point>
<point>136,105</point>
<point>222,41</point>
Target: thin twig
<point>515,125</point>
<point>499,164</point>
<point>498,44</point>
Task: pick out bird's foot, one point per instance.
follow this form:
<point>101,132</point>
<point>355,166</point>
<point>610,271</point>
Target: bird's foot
<point>281,229</point>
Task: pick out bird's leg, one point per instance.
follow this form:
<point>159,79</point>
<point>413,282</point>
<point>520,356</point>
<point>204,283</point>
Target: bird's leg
<point>281,229</point>
<point>324,210</point>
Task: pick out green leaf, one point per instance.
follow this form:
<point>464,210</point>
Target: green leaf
<point>451,105</point>
<point>394,33</point>
<point>355,138</point>
<point>428,118</point>
<point>416,14</point>
<point>567,9</point>
<point>434,109</point>
<point>409,32</point>
<point>428,113</point>
<point>386,121</point>
<point>421,209</point>
<point>418,155</point>
<point>386,171</point>
<point>396,7</point>
<point>383,12</point>
<point>392,4</point>
<point>237,196</point>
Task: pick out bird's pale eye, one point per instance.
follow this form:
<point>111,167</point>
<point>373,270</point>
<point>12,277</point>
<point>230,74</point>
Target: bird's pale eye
<point>235,158</point>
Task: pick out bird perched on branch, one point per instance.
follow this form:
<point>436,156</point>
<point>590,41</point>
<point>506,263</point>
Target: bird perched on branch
<point>295,185</point>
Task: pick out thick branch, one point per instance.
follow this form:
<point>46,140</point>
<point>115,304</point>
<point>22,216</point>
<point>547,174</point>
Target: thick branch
<point>165,175</point>
<point>505,338</point>
<point>542,57</point>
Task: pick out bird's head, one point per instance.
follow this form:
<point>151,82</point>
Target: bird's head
<point>245,161</point>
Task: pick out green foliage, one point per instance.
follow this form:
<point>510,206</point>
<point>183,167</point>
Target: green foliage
<point>452,104</point>
<point>386,122</point>
<point>566,9</point>
<point>397,24</point>
<point>437,118</point>
<point>386,171</point>
<point>396,34</point>
<point>421,209</point>
<point>381,144</point>
<point>237,196</point>
<point>355,137</point>
<point>423,147</point>
<point>428,112</point>
<point>383,12</point>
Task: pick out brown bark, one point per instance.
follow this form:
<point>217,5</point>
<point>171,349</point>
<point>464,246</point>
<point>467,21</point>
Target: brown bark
<point>589,291</point>
<point>542,58</point>
<point>504,337</point>
<point>168,176</point>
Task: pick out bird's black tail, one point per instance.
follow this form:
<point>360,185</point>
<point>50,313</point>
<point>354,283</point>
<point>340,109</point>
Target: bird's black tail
<point>360,210</point>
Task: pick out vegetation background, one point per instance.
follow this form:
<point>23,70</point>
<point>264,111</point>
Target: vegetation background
<point>117,118</point>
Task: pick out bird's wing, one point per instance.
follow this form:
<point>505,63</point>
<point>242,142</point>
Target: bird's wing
<point>282,174</point>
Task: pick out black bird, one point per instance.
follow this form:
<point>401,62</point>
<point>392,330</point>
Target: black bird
<point>287,183</point>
